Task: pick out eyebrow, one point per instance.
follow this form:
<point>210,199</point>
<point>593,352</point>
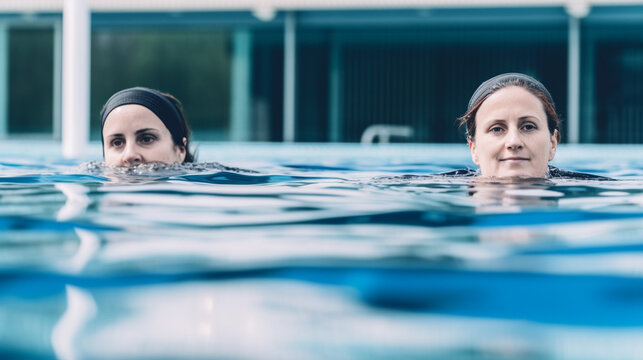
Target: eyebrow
<point>141,131</point>
<point>530,118</point>
<point>137,132</point>
<point>522,118</point>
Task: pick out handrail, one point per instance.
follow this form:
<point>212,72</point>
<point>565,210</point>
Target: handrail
<point>384,133</point>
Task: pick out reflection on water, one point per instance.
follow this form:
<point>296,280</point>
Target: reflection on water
<point>311,261</point>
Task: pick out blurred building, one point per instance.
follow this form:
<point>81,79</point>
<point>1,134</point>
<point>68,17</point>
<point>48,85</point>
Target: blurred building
<point>323,71</point>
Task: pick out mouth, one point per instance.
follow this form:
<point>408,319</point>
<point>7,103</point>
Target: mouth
<point>514,158</point>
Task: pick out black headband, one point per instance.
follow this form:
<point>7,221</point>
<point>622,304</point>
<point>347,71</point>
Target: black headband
<point>488,87</point>
<point>155,102</point>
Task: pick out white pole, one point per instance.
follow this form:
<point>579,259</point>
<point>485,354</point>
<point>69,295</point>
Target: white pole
<point>573,81</point>
<point>576,9</point>
<point>76,52</point>
<point>289,77</point>
<point>334,126</point>
<point>241,85</point>
<point>57,98</point>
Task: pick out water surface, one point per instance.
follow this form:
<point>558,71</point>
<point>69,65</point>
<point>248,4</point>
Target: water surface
<point>335,258</point>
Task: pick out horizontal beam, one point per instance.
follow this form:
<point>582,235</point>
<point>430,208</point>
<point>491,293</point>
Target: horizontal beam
<point>290,5</point>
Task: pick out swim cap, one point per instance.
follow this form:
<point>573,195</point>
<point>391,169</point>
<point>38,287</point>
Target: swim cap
<point>155,102</point>
<point>488,86</point>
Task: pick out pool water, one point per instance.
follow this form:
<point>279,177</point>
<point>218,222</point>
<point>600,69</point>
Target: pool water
<point>318,256</point>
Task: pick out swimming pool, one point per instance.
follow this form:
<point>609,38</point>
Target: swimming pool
<point>319,251</point>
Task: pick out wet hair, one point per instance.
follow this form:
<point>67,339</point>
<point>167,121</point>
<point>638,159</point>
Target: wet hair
<point>189,156</point>
<point>487,88</point>
<point>165,106</point>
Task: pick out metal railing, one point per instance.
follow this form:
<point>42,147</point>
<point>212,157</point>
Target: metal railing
<point>384,133</point>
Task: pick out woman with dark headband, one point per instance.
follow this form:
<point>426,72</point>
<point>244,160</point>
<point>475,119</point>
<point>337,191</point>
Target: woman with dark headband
<point>141,125</point>
<point>513,130</point>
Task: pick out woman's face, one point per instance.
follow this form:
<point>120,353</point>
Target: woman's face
<point>133,135</point>
<point>512,138</point>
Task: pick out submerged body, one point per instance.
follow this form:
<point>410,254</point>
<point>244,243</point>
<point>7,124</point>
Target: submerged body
<point>552,173</point>
<point>185,265</point>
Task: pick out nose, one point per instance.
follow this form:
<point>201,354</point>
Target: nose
<point>131,155</point>
<point>513,140</point>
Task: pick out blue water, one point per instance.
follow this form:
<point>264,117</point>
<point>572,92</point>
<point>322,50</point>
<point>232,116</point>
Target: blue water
<point>319,255</point>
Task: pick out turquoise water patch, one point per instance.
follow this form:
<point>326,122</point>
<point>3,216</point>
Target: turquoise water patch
<point>351,255</point>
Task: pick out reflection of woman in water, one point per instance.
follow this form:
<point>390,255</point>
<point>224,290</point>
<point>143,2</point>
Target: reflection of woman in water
<point>141,125</point>
<point>513,130</point>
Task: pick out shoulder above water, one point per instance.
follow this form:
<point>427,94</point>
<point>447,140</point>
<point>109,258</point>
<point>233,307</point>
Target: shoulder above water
<point>554,173</point>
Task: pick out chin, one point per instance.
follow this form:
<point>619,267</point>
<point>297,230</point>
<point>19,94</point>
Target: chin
<point>525,173</point>
<point>521,176</point>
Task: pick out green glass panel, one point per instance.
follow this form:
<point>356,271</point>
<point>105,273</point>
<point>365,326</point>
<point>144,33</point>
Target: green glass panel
<point>31,80</point>
<point>192,64</point>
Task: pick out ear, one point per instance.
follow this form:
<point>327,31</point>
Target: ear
<point>183,149</point>
<point>472,147</point>
<point>554,144</point>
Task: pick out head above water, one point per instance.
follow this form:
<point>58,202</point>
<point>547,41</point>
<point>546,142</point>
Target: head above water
<point>501,81</point>
<point>512,127</point>
<point>141,125</point>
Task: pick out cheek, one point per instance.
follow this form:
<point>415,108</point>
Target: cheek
<point>107,153</point>
<point>548,147</point>
<point>110,158</point>
<point>487,146</point>
<point>168,153</point>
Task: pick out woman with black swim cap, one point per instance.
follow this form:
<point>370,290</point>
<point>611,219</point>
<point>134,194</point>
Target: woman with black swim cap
<point>141,125</point>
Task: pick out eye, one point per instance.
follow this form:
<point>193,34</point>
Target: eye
<point>529,127</point>
<point>496,129</point>
<point>117,142</point>
<point>147,139</point>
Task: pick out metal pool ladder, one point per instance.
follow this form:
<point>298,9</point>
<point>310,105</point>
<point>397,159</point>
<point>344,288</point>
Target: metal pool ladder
<point>384,133</point>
